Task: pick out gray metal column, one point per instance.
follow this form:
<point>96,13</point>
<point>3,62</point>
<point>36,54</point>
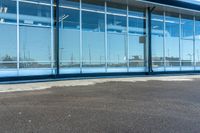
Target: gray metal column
<point>57,38</point>
<point>52,36</point>
<point>150,70</point>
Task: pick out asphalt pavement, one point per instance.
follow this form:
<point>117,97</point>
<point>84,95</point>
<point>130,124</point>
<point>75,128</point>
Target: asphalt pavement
<point>152,106</point>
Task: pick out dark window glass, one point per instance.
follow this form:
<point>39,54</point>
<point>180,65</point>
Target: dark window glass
<point>97,5</point>
<point>116,8</point>
<point>137,12</point>
<point>70,3</point>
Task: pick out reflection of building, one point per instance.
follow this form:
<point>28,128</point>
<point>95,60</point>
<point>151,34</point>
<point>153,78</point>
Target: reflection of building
<point>97,36</point>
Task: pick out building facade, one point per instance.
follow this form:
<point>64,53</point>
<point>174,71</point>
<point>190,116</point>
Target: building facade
<point>69,37</point>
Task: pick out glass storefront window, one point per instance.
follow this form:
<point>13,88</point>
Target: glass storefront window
<point>32,40</point>
<point>83,43</point>
<point>8,46</point>
<point>187,44</point>
<point>97,5</point>
<point>93,25</point>
<point>197,53</point>
<point>137,26</point>
<point>197,42</point>
<point>8,11</point>
<point>116,24</point>
<point>8,34</point>
<point>187,27</point>
<point>197,28</point>
<point>70,3</point>
<point>172,34</point>
<point>35,34</point>
<point>117,42</point>
<point>69,38</point>
<point>136,50</point>
<point>137,37</point>
<point>187,53</point>
<point>157,39</point>
<point>137,12</point>
<point>116,8</point>
<point>36,13</point>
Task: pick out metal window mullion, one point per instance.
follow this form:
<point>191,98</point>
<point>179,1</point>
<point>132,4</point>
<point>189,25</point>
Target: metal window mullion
<point>146,61</point>
<point>81,43</point>
<point>18,48</point>
<point>180,34</point>
<point>106,38</point>
<point>127,42</point>
<point>150,68</point>
<point>194,43</point>
<point>164,41</point>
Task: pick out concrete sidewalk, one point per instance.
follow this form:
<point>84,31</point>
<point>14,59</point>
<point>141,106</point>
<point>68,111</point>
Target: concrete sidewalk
<point>14,86</point>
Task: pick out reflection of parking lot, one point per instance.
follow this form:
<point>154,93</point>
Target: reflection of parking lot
<point>140,104</point>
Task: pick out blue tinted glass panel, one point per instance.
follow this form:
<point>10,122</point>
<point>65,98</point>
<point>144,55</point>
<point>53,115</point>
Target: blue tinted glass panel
<point>116,24</point>
<point>136,50</point>
<point>172,34</point>
<point>197,52</point>
<point>8,43</point>
<point>93,25</point>
<point>116,48</point>
<point>116,8</point>
<point>197,28</point>
<point>35,44</point>
<point>187,27</point>
<point>34,14</point>
<point>96,5</point>
<point>69,39</point>
<point>70,3</point>
<point>187,52</point>
<point>157,39</point>
<point>8,11</point>
<point>137,26</point>
<point>136,12</point>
